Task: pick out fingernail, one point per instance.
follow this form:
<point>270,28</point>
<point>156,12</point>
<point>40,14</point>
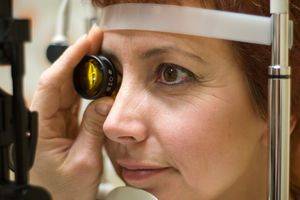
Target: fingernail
<point>103,109</point>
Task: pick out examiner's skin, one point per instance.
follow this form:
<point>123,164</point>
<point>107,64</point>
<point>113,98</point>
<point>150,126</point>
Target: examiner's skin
<point>184,105</point>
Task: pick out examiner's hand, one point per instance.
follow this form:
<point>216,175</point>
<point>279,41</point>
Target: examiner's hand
<point>68,159</point>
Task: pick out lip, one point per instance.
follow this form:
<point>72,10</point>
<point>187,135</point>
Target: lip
<point>137,172</point>
<point>134,165</point>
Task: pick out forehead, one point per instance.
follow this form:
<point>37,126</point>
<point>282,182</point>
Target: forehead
<point>139,43</point>
<point>145,43</point>
<point>146,39</point>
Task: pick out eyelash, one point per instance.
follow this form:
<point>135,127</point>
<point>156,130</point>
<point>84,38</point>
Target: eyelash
<point>189,76</point>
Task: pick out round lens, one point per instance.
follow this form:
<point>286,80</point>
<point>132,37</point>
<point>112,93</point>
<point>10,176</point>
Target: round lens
<point>88,78</point>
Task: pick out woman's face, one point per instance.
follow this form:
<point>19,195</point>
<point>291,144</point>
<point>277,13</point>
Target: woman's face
<point>184,106</point>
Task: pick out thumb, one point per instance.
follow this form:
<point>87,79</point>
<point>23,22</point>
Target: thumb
<point>87,148</point>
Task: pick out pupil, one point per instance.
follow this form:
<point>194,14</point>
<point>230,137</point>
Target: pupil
<point>170,74</point>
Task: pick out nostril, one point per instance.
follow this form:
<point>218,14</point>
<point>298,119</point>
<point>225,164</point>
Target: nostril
<point>128,139</point>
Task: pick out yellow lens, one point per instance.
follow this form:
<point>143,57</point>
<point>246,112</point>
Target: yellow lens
<point>89,78</point>
<point>94,76</point>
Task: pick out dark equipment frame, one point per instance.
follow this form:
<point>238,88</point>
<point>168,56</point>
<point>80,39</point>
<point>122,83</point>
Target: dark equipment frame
<point>18,126</point>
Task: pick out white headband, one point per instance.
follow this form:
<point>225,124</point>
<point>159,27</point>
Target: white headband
<point>187,20</point>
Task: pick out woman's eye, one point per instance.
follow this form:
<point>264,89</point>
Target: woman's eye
<point>172,74</point>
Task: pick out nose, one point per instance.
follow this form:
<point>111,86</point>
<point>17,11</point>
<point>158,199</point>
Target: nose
<point>126,122</point>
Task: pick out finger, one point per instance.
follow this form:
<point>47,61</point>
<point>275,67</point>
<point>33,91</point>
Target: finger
<point>56,97</point>
<point>88,144</point>
<point>49,96</point>
<point>58,78</point>
<point>72,121</point>
<point>95,37</point>
<point>64,66</point>
<point>53,99</point>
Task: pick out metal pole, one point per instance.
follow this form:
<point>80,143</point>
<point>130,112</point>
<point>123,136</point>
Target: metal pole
<point>279,103</point>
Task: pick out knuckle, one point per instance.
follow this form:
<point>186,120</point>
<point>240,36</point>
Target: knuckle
<point>92,126</point>
<point>45,79</point>
<point>92,122</point>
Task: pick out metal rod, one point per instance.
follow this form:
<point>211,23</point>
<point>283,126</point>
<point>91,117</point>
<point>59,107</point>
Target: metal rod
<point>4,171</point>
<point>19,116</point>
<point>279,103</point>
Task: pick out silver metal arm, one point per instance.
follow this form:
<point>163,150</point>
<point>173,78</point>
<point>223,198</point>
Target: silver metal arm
<point>279,103</point>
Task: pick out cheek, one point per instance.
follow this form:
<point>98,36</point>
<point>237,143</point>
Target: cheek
<point>208,140</point>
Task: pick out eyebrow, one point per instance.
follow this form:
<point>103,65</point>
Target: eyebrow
<point>156,52</point>
<point>164,50</point>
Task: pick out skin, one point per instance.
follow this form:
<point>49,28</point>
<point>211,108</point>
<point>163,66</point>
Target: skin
<point>68,159</point>
<point>207,131</point>
<point>208,128</point>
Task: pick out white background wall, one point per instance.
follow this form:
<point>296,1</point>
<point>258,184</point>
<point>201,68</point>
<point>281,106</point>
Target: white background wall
<point>42,14</point>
